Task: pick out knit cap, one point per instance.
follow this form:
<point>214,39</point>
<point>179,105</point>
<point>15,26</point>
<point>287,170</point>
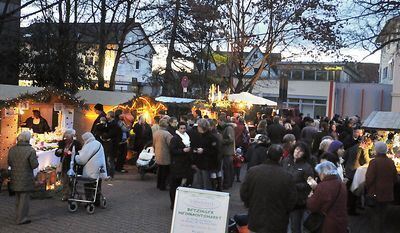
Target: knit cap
<point>335,146</point>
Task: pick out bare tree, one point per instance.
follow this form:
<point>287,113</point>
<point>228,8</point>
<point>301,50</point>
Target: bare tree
<point>274,24</point>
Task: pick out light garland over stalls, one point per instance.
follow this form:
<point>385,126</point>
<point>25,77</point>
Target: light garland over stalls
<point>44,96</point>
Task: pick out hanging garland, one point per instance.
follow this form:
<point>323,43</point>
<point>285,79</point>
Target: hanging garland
<point>44,96</point>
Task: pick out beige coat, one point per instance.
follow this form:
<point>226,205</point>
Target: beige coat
<point>22,160</point>
<point>161,142</point>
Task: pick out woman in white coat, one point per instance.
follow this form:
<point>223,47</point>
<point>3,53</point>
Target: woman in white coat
<point>93,159</point>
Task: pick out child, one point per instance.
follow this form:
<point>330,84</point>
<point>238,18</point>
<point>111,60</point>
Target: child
<point>238,159</point>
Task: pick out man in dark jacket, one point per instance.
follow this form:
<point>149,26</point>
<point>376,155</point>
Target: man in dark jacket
<point>143,134</point>
<point>111,137</point>
<point>257,153</point>
<point>318,136</point>
<point>276,131</point>
<point>270,194</point>
<point>98,108</point>
<point>308,132</point>
<point>228,150</point>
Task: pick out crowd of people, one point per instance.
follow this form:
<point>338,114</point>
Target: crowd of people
<point>302,168</point>
<point>295,165</point>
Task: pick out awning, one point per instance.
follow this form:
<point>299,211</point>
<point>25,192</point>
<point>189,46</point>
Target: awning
<point>383,121</point>
<point>251,99</point>
<point>166,99</point>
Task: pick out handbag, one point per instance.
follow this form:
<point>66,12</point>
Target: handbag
<point>314,221</point>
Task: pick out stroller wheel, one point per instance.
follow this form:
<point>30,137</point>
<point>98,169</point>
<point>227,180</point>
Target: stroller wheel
<point>90,209</point>
<point>103,202</point>
<point>72,206</point>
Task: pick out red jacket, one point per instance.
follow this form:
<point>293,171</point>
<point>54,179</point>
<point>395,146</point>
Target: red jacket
<point>380,179</point>
<point>325,193</point>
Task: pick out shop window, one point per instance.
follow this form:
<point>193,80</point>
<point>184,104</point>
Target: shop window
<point>306,101</point>
<point>293,100</point>
<point>320,101</point>
<point>322,75</point>
<point>309,75</point>
<point>297,74</point>
<point>319,110</point>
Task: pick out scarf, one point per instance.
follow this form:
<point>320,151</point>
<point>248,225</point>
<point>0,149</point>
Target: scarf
<point>185,138</point>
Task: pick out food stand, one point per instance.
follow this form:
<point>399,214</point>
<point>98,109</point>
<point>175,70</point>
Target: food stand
<point>386,127</point>
<point>56,108</point>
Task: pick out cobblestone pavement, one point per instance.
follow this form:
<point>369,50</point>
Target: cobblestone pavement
<point>133,206</point>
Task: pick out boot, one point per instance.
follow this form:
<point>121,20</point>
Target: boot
<point>219,184</point>
<point>214,184</point>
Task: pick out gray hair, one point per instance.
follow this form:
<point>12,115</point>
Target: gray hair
<point>69,132</point>
<point>325,143</point>
<point>24,136</point>
<point>326,168</point>
<point>204,124</point>
<point>163,123</point>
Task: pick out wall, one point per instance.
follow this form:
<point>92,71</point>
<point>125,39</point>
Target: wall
<point>349,100</point>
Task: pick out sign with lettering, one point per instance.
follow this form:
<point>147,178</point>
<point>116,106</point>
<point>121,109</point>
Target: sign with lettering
<point>200,211</point>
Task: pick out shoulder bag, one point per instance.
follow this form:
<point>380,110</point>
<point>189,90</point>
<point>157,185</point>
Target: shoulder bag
<point>314,221</point>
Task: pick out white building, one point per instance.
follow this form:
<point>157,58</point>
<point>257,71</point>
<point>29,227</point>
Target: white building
<point>312,85</point>
<point>389,70</point>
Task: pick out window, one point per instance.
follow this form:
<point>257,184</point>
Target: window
<point>308,101</point>
<point>293,100</point>
<point>319,110</point>
<point>322,75</point>
<point>320,101</point>
<point>309,75</point>
<point>297,74</point>
<point>255,56</point>
<point>137,65</point>
<point>385,73</point>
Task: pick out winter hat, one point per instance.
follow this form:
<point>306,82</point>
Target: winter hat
<point>335,146</point>
<point>87,136</point>
<point>380,148</point>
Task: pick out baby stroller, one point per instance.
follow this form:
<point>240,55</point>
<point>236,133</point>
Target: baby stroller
<point>146,162</point>
<point>92,193</point>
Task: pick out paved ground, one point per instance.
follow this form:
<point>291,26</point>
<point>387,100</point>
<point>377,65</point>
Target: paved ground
<point>133,206</point>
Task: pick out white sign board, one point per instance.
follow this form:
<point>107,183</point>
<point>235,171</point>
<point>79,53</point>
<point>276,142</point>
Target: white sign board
<point>200,211</point>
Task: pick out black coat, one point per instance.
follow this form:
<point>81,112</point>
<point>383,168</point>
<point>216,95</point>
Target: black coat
<point>96,127</point>
<point>208,160</point>
<point>143,136</point>
<point>111,136</point>
<point>300,171</point>
<point>40,128</point>
<point>256,155</point>
<point>317,140</point>
<point>276,132</point>
<point>66,160</point>
<point>270,194</point>
<point>180,161</point>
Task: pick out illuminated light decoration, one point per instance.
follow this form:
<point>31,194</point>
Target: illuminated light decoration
<point>333,68</point>
<point>44,96</point>
<point>144,106</point>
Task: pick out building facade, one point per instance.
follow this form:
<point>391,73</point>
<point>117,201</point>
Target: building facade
<point>389,69</point>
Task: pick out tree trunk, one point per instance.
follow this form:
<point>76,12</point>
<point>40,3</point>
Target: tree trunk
<point>127,26</point>
<point>171,47</point>
<point>102,45</point>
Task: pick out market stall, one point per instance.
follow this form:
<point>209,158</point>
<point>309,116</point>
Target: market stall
<point>55,109</point>
<point>385,127</point>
